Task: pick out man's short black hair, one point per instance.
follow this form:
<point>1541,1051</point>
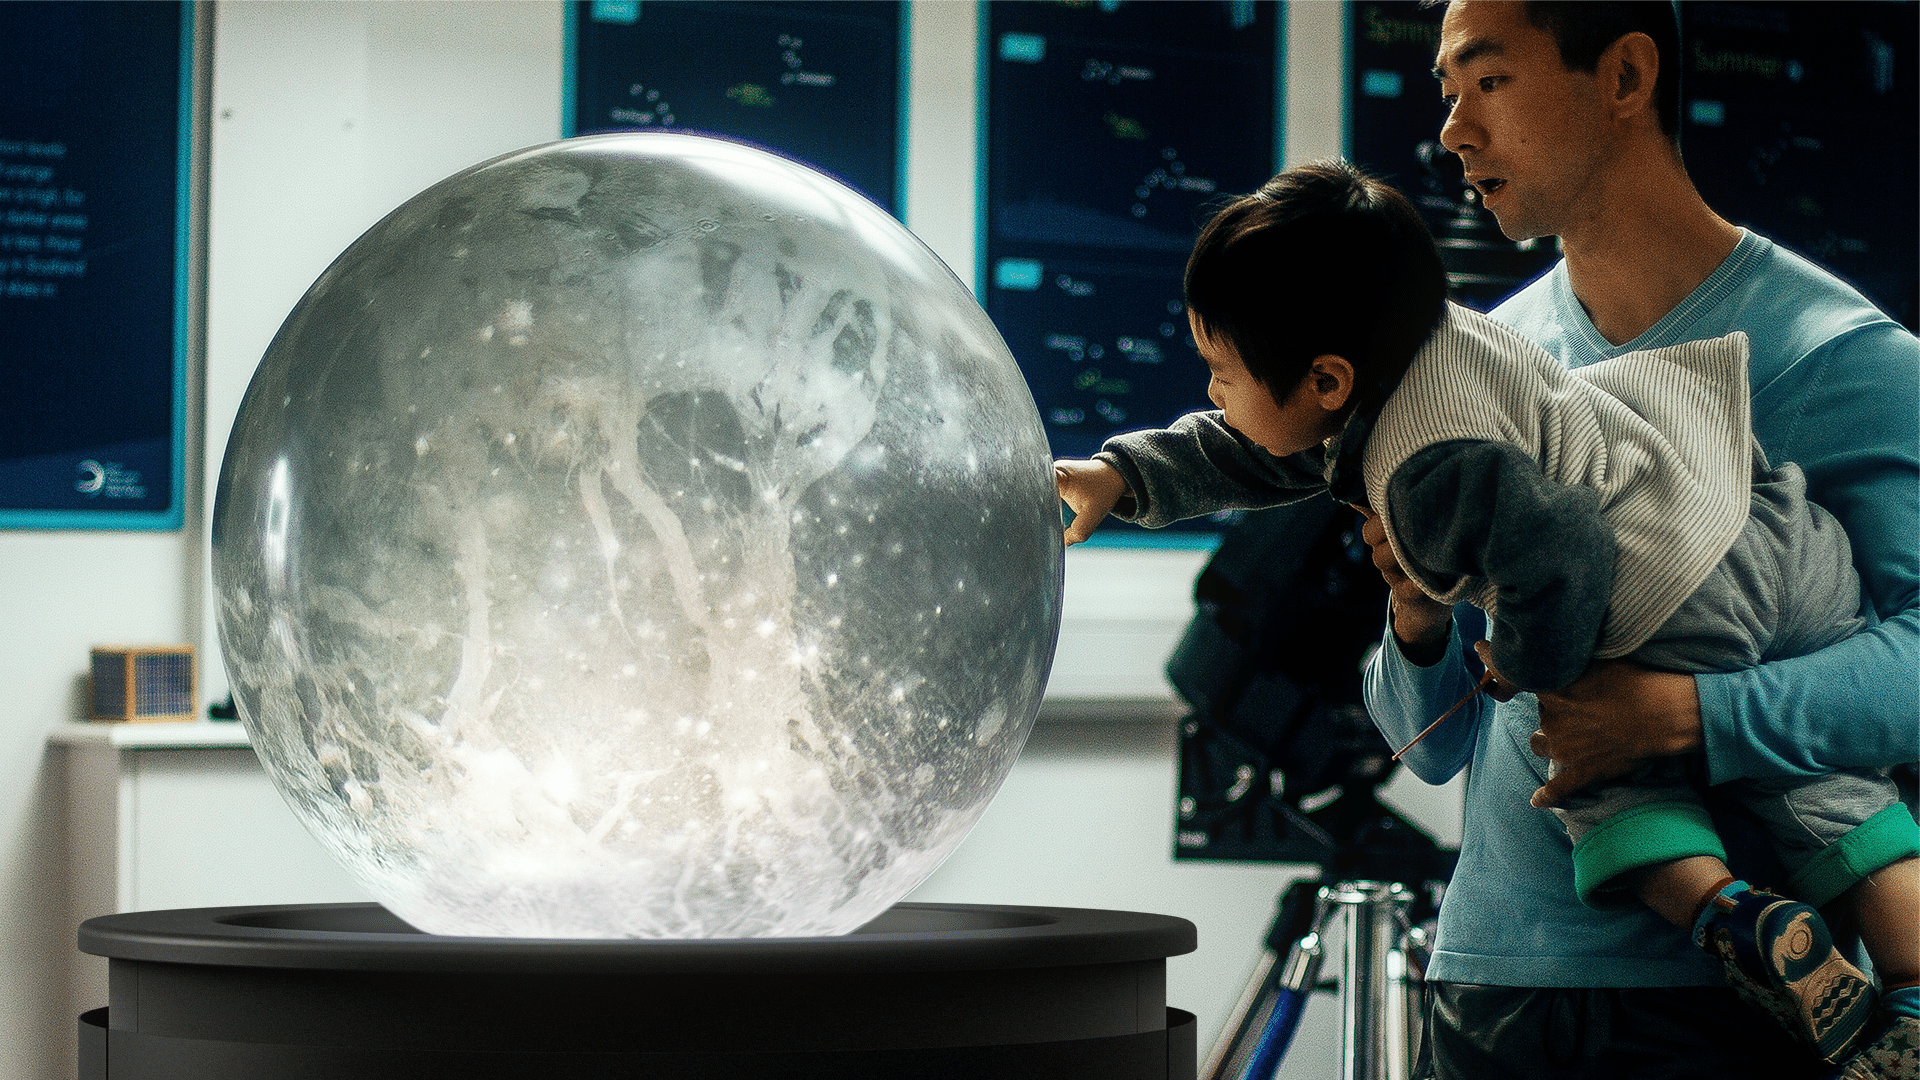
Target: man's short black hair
<point>1585,30</point>
<point>1323,259</point>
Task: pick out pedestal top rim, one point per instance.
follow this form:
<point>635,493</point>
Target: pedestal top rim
<point>365,937</point>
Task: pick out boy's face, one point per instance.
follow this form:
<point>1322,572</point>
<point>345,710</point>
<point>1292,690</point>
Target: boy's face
<point>1299,421</point>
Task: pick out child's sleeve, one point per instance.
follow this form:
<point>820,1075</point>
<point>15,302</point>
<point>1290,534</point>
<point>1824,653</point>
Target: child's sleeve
<point>1200,466</point>
<point>1469,508</point>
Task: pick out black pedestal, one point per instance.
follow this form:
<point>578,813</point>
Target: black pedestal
<point>925,992</point>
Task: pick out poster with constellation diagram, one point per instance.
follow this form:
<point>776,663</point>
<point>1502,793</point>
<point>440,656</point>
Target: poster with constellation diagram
<point>815,81</point>
<point>1113,129</point>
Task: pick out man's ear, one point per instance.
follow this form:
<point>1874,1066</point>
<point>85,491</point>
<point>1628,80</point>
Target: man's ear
<point>1330,379</point>
<point>1630,68</point>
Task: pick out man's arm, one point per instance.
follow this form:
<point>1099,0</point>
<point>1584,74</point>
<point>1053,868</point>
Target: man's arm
<point>1857,702</point>
<point>1418,625</point>
<point>1856,434</point>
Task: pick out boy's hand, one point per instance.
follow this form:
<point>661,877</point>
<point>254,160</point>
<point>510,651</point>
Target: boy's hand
<point>1498,688</point>
<point>1420,623</point>
<point>1090,489</point>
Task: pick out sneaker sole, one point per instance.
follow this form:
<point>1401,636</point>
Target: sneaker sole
<point>1834,1000</point>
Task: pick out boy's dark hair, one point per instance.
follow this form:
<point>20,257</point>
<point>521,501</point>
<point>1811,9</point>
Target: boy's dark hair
<point>1322,259</point>
<point>1585,30</point>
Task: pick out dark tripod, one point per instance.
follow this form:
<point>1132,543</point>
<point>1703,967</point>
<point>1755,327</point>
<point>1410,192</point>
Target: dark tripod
<point>1279,762</point>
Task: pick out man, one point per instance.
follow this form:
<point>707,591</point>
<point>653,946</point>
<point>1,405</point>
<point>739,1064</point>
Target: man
<point>1565,116</point>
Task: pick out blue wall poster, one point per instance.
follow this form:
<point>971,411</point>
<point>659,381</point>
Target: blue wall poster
<point>94,152</point>
<point>814,80</point>
<point>1113,131</point>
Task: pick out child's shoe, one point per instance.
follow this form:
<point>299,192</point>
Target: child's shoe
<point>1780,957</point>
<point>1894,1055</point>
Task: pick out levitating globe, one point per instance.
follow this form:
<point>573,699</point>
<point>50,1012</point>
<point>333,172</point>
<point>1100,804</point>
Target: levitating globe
<point>637,536</point>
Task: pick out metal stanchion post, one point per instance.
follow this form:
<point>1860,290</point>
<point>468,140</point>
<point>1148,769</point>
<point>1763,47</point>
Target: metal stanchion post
<point>1373,1005</point>
<point>1381,986</point>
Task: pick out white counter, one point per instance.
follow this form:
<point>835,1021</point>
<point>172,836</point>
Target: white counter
<point>199,735</point>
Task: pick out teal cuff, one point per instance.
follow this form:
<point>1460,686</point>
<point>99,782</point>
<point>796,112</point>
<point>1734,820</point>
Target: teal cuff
<point>1875,844</point>
<point>1643,836</point>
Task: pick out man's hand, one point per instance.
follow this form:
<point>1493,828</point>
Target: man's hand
<point>1420,623</point>
<point>1090,489</point>
<point>1610,721</point>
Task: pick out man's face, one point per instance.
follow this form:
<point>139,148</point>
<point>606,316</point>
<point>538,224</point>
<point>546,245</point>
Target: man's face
<point>1531,134</point>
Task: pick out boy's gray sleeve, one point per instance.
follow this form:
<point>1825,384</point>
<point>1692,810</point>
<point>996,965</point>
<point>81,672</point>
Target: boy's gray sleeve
<point>1484,509</point>
<point>1200,466</point>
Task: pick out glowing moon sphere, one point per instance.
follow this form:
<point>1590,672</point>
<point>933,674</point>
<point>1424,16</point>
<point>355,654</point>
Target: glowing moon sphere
<point>637,536</point>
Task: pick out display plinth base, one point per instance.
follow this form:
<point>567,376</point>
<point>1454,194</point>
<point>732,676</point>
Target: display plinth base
<point>929,991</point>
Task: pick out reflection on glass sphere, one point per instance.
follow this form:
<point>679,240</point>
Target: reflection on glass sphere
<point>637,535</point>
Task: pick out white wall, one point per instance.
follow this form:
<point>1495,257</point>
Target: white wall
<point>324,116</point>
<point>60,594</point>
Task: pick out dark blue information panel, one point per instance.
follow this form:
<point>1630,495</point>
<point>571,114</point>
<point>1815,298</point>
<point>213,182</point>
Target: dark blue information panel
<point>95,123</point>
<point>1113,129</point>
<point>816,81</point>
<point>1393,129</point>
<point>1800,122</point>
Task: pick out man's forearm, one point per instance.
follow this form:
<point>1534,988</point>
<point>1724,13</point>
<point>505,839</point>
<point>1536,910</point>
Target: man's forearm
<point>1851,704</point>
<point>1403,697</point>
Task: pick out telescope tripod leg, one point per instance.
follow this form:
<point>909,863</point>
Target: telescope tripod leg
<point>1263,1023</point>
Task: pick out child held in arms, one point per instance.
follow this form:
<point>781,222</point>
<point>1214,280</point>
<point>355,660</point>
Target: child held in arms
<point>1619,510</point>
